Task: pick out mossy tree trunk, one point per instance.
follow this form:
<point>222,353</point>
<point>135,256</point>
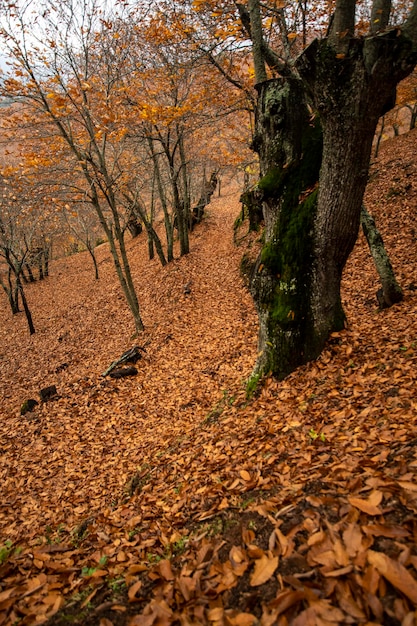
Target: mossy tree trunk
<point>312,193</point>
<point>350,90</point>
<point>390,292</point>
<point>288,141</point>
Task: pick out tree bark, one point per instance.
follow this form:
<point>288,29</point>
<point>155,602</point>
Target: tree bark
<point>350,93</point>
<point>390,292</point>
<point>289,145</point>
<point>311,229</point>
<point>90,248</point>
<point>26,309</point>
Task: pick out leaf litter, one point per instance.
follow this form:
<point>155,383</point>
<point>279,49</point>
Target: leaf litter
<point>170,498</point>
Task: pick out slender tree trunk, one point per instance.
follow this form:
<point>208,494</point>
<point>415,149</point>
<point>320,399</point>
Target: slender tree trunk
<point>90,248</point>
<point>121,263</point>
<point>12,294</point>
<point>379,136</point>
<point>26,309</point>
<point>156,242</point>
<point>185,183</point>
<point>390,292</point>
<point>168,222</point>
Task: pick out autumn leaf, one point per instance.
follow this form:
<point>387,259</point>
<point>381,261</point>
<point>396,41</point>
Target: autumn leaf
<point>264,569</point>
<point>132,591</point>
<point>395,573</point>
<point>370,505</point>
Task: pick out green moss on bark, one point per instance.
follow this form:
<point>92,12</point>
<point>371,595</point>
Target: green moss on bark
<point>286,257</point>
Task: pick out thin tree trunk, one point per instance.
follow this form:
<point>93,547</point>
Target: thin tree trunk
<point>169,229</point>
<point>379,136</point>
<point>26,309</point>
<point>90,248</point>
<point>121,263</point>
<point>390,292</point>
<point>12,295</point>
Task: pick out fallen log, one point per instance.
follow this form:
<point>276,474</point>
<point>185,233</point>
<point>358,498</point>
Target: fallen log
<point>133,355</point>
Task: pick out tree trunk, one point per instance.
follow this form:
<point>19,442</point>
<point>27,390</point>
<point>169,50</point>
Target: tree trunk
<point>310,232</point>
<point>379,136</point>
<point>90,248</point>
<point>350,92</point>
<point>289,147</point>
<point>390,292</point>
<point>168,222</point>
<point>26,309</point>
<point>12,293</point>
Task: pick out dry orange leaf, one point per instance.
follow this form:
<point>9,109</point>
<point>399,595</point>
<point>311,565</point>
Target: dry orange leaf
<point>243,619</point>
<point>245,475</point>
<point>215,614</point>
<point>133,590</point>
<point>165,570</point>
<point>395,573</point>
<point>264,569</point>
<point>370,505</point>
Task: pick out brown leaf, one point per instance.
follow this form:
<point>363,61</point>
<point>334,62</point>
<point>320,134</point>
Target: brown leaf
<point>395,573</point>
<point>242,619</point>
<point>370,505</point>
<point>165,569</point>
<point>264,569</point>
<point>131,593</point>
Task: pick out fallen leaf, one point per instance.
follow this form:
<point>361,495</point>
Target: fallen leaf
<point>264,569</point>
<point>132,591</point>
<point>395,573</point>
<point>370,505</point>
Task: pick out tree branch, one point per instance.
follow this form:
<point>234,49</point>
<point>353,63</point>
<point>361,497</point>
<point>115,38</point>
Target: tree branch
<point>410,26</point>
<point>343,25</point>
<point>381,10</point>
<point>271,58</point>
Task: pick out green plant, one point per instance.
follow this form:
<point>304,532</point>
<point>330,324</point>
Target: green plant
<point>252,385</point>
<point>86,572</point>
<point>315,435</point>
<point>246,503</point>
<point>179,546</point>
<point>217,410</point>
<point>153,558</point>
<point>116,584</point>
<point>5,551</point>
<point>132,533</point>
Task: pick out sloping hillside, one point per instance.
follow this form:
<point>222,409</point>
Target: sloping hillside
<point>169,498</point>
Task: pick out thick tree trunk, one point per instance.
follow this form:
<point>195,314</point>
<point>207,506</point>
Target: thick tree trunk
<point>390,292</point>
<point>310,232</point>
<point>350,92</point>
<point>289,145</point>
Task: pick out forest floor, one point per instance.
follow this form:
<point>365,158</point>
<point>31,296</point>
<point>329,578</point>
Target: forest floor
<point>171,498</point>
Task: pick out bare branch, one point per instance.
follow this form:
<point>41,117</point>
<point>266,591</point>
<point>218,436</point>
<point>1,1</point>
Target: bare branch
<point>381,10</point>
<point>343,25</point>
<point>410,26</point>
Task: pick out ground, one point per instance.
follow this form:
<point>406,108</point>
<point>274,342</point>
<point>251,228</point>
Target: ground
<point>172,498</point>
